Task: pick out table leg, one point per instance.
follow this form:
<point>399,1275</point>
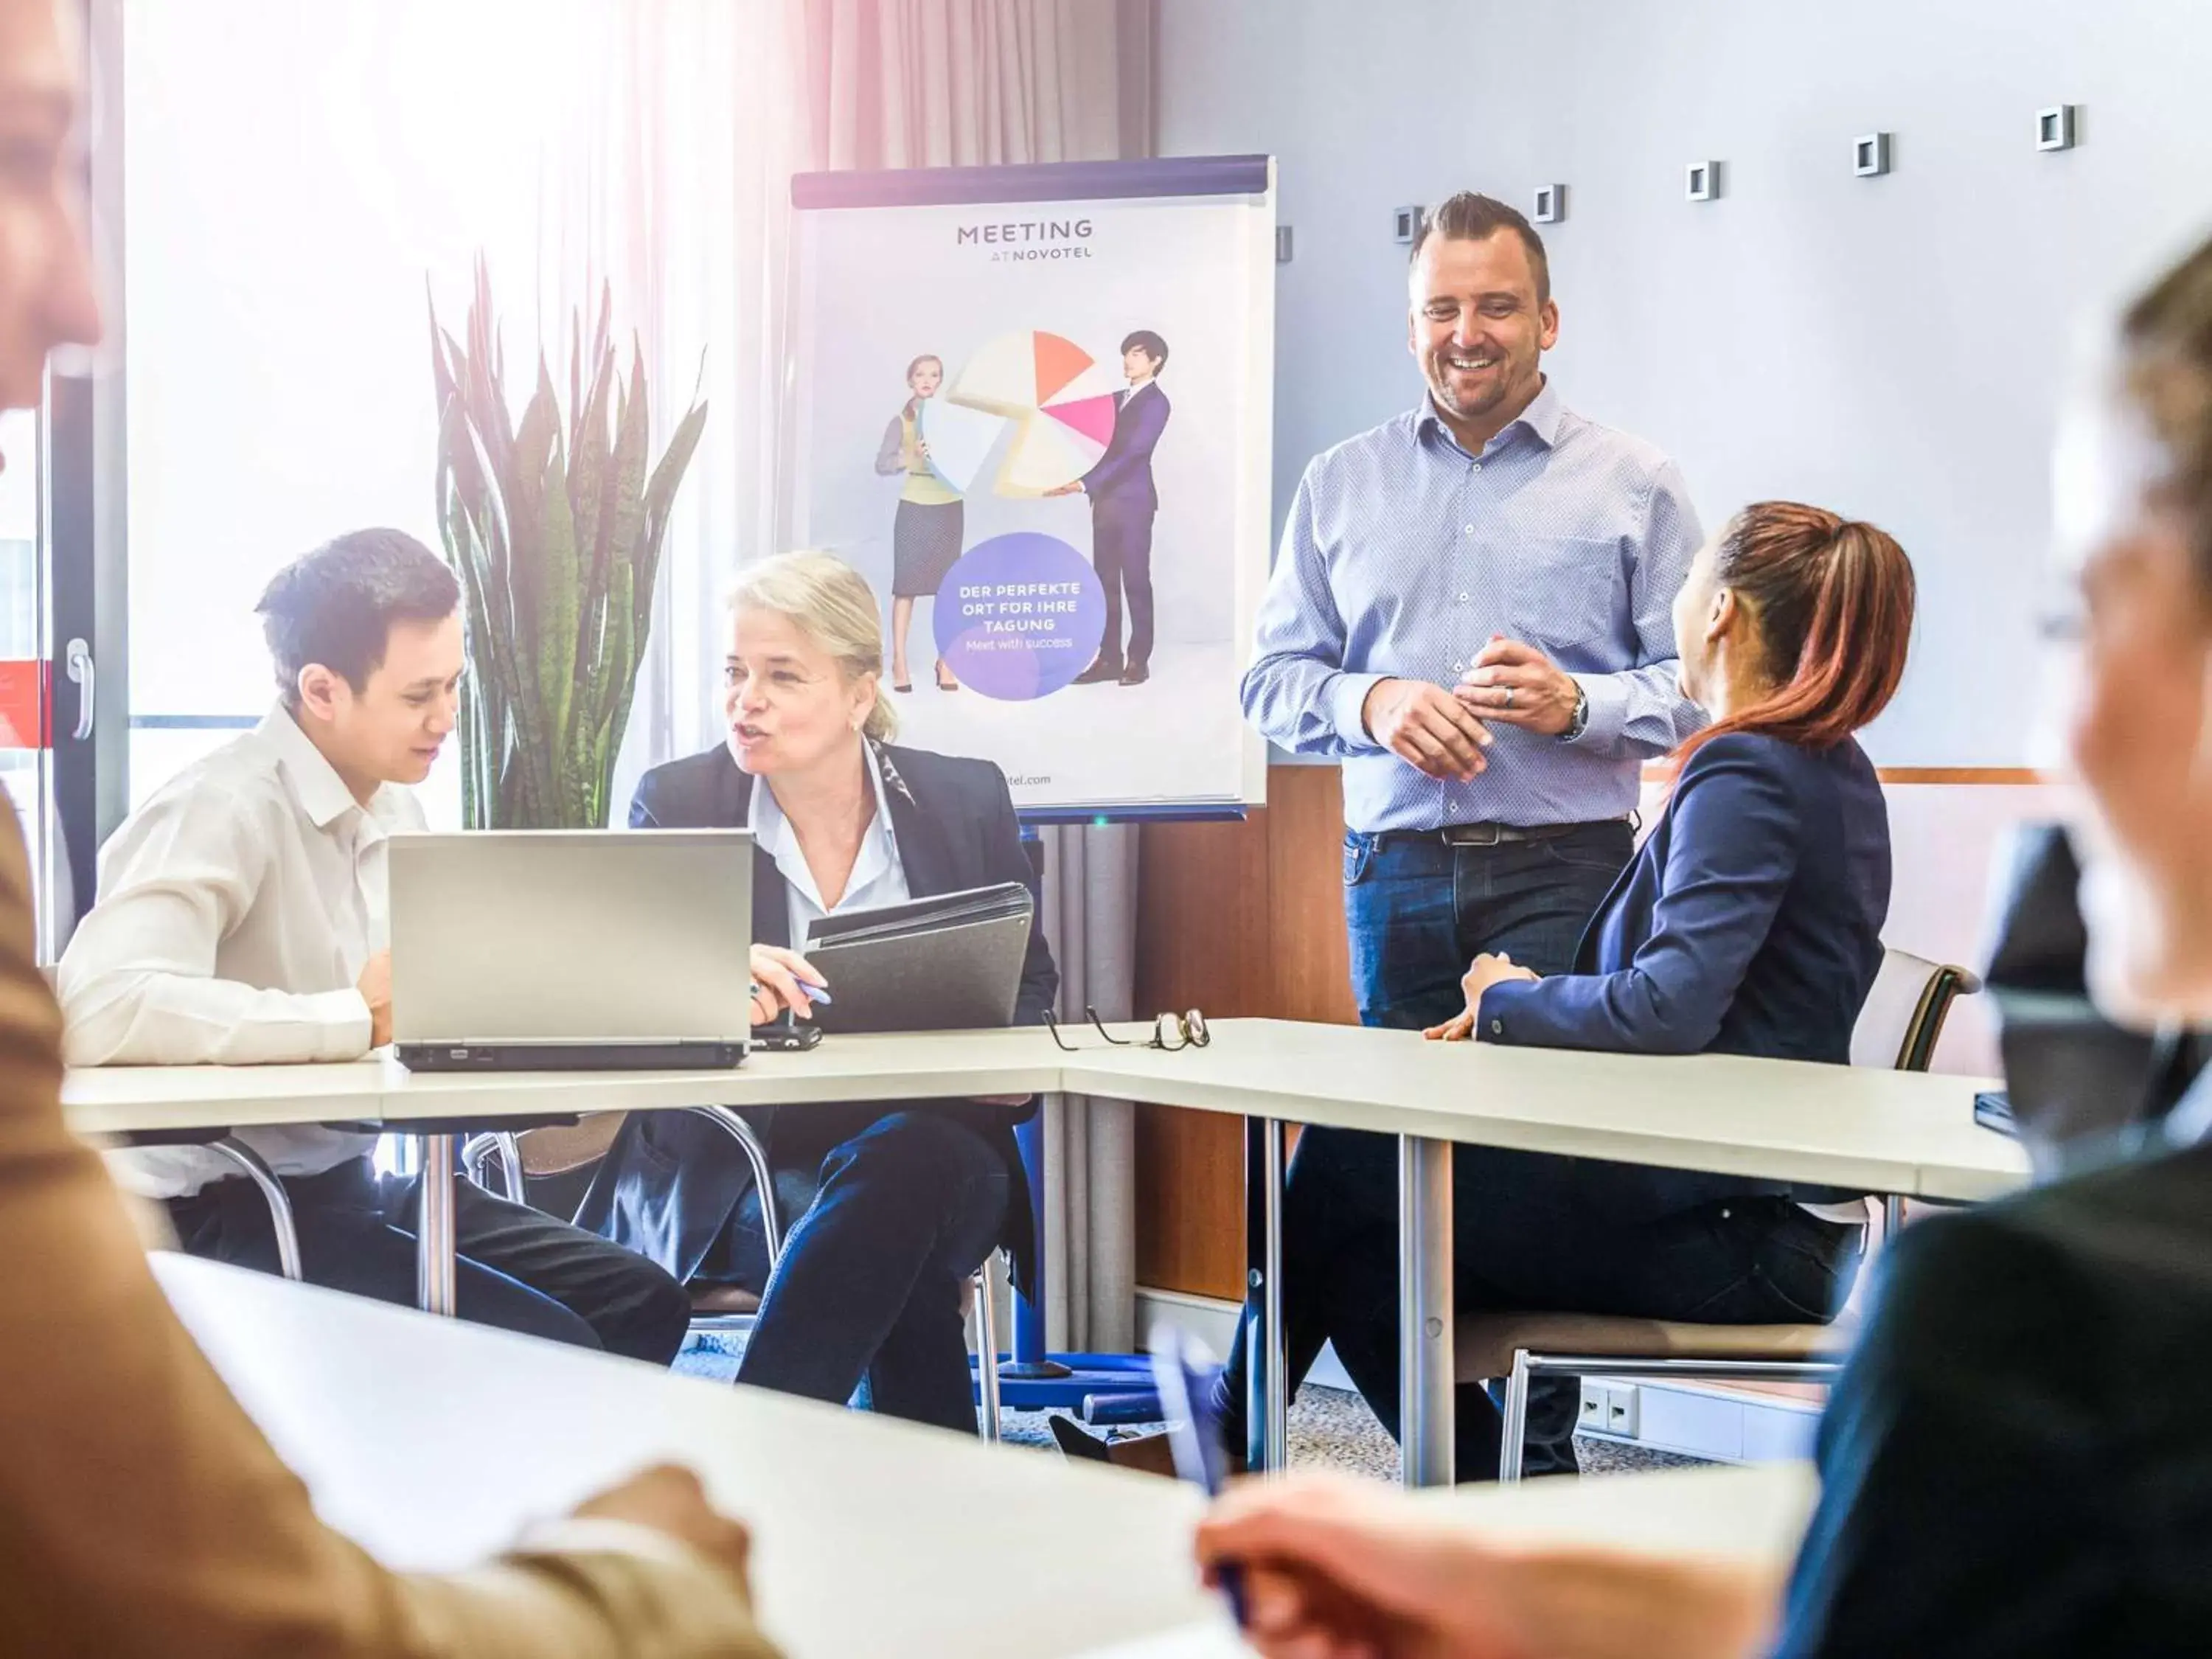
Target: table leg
<point>435,1250</point>
<point>1424,1310</point>
<point>1266,1372</point>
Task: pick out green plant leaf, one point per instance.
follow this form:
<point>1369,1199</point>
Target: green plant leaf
<point>486,394</point>
<point>534,443</point>
<point>441,367</point>
<point>466,556</point>
<point>594,365</point>
<point>575,358</point>
<point>555,526</point>
<point>603,343</point>
<point>554,646</point>
<point>587,474</point>
<point>660,495</point>
<point>619,660</point>
<point>510,653</point>
<point>623,520</point>
<point>464,504</point>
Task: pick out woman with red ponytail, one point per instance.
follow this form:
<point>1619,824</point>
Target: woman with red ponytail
<point>1829,603</point>
<point>1748,923</point>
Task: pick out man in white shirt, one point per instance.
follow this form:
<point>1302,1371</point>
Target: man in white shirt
<point>243,920</point>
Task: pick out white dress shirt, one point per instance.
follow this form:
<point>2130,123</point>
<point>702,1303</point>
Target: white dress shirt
<point>877,875</point>
<point>237,908</point>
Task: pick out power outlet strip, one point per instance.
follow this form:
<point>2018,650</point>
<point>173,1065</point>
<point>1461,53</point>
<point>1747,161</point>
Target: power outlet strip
<point>1609,1408</point>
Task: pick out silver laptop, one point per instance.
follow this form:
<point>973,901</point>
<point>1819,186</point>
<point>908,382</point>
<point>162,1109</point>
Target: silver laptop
<point>559,949</point>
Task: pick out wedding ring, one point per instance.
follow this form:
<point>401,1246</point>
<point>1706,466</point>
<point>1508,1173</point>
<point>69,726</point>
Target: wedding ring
<point>1509,696</point>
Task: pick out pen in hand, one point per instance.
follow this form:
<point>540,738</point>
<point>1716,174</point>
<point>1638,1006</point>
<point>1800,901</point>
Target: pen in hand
<point>1183,1372</point>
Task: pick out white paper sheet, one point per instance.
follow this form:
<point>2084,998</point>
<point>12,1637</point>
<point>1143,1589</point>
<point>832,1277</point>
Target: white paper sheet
<point>1210,1641</point>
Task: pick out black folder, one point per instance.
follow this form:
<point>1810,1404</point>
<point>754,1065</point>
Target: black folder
<point>950,962</point>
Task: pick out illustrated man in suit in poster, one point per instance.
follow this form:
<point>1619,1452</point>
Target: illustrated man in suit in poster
<point>1123,503</point>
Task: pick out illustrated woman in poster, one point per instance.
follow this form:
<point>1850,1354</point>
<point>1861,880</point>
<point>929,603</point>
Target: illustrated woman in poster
<point>925,534</point>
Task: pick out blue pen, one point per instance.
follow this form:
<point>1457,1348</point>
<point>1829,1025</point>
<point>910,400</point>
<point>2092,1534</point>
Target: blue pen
<point>1183,1372</point>
<point>814,992</point>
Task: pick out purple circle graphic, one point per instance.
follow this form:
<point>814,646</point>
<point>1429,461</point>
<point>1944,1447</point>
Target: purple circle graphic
<point>1019,616</point>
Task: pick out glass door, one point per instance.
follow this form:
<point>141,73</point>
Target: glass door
<point>61,559</point>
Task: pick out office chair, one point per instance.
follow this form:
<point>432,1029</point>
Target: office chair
<point>1898,1028</point>
<point>249,1163</point>
<point>564,1150</point>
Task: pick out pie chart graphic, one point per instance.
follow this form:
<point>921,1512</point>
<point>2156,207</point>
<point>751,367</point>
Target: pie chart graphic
<point>1036,403</point>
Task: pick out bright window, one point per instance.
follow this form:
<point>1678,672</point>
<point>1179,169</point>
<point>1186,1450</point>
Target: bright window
<point>295,171</point>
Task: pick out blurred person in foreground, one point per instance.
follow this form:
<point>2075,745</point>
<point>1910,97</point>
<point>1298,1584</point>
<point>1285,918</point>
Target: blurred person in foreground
<point>141,1510</point>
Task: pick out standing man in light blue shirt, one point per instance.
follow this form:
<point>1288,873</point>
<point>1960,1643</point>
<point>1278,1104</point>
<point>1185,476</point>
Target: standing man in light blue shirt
<point>1471,610</point>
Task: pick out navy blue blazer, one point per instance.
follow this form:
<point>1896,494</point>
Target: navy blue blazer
<point>672,1182</point>
<point>2015,1460</point>
<point>1124,476</point>
<point>1748,923</point>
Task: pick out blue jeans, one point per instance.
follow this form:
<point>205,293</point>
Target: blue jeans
<point>1418,912</point>
<point>870,1283</point>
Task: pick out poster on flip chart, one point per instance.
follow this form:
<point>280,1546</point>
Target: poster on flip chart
<point>1033,406</point>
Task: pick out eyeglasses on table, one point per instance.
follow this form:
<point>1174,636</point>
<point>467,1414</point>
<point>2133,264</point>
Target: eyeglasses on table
<point>1169,1032</point>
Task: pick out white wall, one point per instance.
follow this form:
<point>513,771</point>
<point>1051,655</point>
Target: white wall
<point>1892,348</point>
<point>1945,842</point>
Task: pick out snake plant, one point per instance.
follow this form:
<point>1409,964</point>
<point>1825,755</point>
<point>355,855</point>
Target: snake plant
<point>554,526</point>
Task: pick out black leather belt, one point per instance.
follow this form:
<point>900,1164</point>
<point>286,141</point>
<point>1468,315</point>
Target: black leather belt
<point>1501,835</point>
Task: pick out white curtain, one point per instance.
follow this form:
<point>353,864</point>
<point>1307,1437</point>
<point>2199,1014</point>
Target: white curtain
<point>672,181</point>
<point>1090,1154</point>
<point>933,83</point>
<point>899,83</point>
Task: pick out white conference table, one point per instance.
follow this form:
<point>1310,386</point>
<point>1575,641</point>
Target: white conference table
<point>1860,1128</point>
<point>869,1536</point>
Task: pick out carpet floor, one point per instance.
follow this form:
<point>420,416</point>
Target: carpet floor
<point>1330,1428</point>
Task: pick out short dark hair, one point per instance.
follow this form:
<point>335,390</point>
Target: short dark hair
<point>1153,346</point>
<point>1469,218</point>
<point>335,606</point>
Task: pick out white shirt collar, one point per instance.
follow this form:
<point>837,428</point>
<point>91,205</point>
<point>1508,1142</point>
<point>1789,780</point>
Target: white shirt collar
<point>773,833</point>
<point>315,783</point>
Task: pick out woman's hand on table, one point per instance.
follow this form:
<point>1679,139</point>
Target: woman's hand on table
<point>1483,972</point>
<point>777,975</point>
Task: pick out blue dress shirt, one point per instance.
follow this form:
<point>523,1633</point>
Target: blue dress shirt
<point>1404,556</point>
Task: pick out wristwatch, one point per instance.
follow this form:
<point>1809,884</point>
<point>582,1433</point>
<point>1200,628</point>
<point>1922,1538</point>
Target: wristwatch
<point>1579,722</point>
